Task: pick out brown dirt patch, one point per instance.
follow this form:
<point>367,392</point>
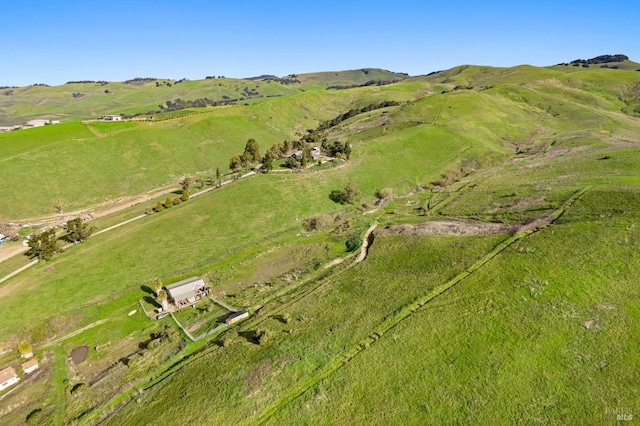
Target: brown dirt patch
<point>463,229</point>
<point>79,354</point>
<point>254,379</point>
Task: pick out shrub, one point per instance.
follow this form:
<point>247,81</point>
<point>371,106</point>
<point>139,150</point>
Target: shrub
<point>24,347</point>
<point>185,195</point>
<point>34,416</point>
<point>354,242</point>
<point>319,221</point>
<point>383,194</point>
<point>263,336</point>
<point>159,207</point>
<point>78,388</point>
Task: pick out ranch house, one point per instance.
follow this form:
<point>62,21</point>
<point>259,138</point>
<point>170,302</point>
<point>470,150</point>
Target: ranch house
<point>186,292</point>
<point>8,377</point>
<point>30,366</point>
<point>111,118</point>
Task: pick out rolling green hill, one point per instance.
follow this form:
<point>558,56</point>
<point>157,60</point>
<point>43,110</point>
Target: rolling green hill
<point>90,100</point>
<point>499,287</point>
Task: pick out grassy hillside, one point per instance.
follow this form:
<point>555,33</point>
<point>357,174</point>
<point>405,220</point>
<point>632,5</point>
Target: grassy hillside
<point>499,286</point>
<point>77,101</point>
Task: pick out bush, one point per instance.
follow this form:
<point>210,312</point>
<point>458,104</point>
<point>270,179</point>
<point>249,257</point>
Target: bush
<point>34,416</point>
<point>159,207</point>
<point>263,336</point>
<point>185,195</point>
<point>317,222</point>
<point>338,196</point>
<point>383,194</point>
<point>353,243</point>
<point>24,347</point>
<point>168,203</point>
<point>78,388</point>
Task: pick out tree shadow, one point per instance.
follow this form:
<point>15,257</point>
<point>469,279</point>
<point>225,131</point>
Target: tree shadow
<point>148,290</point>
<point>152,301</point>
<point>251,336</point>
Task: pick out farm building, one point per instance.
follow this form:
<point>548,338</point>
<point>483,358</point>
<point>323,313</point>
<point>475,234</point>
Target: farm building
<point>8,377</point>
<point>111,118</point>
<point>236,316</point>
<point>40,122</point>
<point>30,366</point>
<point>186,292</point>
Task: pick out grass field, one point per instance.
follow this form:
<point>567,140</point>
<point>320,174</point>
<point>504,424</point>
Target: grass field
<point>535,327</point>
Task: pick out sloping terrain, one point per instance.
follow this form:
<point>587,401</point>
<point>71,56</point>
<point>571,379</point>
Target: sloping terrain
<point>499,285</point>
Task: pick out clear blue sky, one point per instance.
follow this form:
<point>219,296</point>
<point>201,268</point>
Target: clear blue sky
<point>54,42</point>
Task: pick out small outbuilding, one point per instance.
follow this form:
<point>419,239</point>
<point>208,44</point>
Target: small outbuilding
<point>30,366</point>
<point>236,316</point>
<point>8,377</point>
<point>186,292</point>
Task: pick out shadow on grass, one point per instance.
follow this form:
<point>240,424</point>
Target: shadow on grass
<point>148,290</point>
<point>152,301</point>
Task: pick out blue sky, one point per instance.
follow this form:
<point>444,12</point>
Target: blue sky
<point>55,42</point>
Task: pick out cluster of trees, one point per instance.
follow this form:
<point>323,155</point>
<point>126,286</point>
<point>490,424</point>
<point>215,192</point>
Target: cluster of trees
<point>169,202</point>
<point>337,149</point>
<point>327,124</point>
<point>77,95</point>
<point>179,103</point>
<point>211,77</point>
<point>44,245</point>
<point>140,80</point>
<point>602,59</point>
<point>290,79</point>
<point>250,157</point>
<point>100,82</point>
<point>368,83</point>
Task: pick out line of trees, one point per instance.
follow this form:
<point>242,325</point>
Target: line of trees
<point>368,83</point>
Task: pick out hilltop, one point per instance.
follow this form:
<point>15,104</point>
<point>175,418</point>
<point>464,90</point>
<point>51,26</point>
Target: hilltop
<point>483,270</point>
<point>80,100</point>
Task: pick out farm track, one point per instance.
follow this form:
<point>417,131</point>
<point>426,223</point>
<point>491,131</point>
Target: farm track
<point>70,335</point>
<point>402,314</point>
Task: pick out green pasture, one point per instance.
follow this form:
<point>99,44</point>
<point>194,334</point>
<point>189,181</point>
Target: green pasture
<point>542,332</point>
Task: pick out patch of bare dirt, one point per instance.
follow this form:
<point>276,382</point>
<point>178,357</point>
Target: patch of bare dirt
<point>79,354</point>
<point>460,228</point>
<point>254,379</point>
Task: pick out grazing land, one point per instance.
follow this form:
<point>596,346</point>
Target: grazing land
<point>499,284</point>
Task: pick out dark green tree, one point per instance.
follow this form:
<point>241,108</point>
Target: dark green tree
<point>306,156</point>
<point>44,245</point>
<point>218,175</point>
<point>77,230</point>
<point>235,163</point>
<point>267,161</point>
<point>252,152</point>
<point>186,182</point>
<point>185,195</point>
<point>168,203</point>
<point>159,207</point>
